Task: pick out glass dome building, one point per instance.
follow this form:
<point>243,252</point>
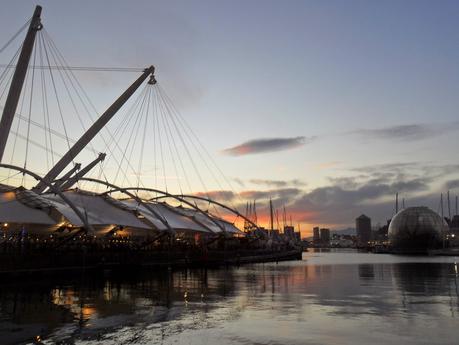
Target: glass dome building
<point>416,228</point>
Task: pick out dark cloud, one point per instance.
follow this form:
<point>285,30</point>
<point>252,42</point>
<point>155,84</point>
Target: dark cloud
<point>397,166</point>
<point>220,195</point>
<point>368,189</point>
<point>277,183</point>
<point>267,145</point>
<point>402,171</point>
<point>411,132</point>
<point>280,193</point>
<point>438,171</point>
<point>339,205</point>
<point>452,184</point>
<point>342,213</point>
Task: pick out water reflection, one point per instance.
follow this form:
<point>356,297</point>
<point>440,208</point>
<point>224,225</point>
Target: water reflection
<point>323,299</point>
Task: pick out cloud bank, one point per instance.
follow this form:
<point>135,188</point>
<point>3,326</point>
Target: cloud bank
<point>366,189</point>
<point>277,183</point>
<point>266,145</point>
<point>410,132</point>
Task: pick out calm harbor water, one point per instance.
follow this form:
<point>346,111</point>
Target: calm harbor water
<point>338,297</point>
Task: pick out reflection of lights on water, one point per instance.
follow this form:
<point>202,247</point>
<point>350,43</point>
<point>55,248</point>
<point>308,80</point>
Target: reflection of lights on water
<point>88,312</point>
<point>455,267</point>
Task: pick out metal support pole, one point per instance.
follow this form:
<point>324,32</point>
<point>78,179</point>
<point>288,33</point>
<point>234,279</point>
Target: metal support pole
<point>93,131</point>
<point>18,80</point>
<point>71,181</point>
<point>64,178</point>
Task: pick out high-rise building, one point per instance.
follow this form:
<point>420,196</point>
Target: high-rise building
<point>325,236</point>
<point>363,227</point>
<point>316,235</point>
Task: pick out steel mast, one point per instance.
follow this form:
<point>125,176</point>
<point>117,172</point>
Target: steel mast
<point>94,129</point>
<point>74,179</point>
<point>18,79</point>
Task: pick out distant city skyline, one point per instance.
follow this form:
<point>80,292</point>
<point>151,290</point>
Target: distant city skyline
<point>329,108</point>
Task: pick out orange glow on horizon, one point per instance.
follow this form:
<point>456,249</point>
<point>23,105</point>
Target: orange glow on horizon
<point>306,224</point>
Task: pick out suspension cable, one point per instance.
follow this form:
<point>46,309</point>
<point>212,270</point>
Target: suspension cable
<point>30,108</point>
<point>15,35</point>
<point>55,92</point>
<point>193,133</point>
<point>145,125</point>
<point>82,68</point>
<point>137,125</point>
<point>170,138</point>
<point>112,138</point>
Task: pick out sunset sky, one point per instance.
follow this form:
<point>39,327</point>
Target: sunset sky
<point>327,107</point>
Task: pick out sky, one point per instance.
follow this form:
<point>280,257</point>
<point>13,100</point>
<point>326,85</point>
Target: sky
<point>327,107</point>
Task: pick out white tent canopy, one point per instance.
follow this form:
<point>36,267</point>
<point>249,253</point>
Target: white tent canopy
<point>14,211</point>
<point>175,220</point>
<point>26,207</point>
<point>97,210</point>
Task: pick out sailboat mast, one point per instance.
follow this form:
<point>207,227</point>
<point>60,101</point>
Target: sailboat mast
<point>456,205</point>
<point>271,213</point>
<point>277,220</point>
<point>442,220</point>
<point>441,205</point>
<point>449,207</point>
<point>17,82</point>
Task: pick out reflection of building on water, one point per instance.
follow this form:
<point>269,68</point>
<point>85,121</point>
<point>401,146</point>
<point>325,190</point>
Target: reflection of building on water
<point>96,305</point>
<point>366,271</point>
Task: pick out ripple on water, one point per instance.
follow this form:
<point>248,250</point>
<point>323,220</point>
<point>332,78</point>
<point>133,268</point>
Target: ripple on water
<point>328,298</point>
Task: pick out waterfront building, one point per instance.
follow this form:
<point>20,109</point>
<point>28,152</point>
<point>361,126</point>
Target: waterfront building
<point>341,242</point>
<point>417,229</point>
<point>363,227</point>
<point>325,236</point>
<point>380,234</point>
<point>298,236</point>
<point>316,234</point>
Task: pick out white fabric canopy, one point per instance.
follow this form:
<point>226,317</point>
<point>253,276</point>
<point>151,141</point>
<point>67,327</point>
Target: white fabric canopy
<point>13,211</point>
<point>200,218</point>
<point>101,212</point>
<point>229,228</point>
<point>97,210</point>
<point>176,220</point>
<point>135,206</point>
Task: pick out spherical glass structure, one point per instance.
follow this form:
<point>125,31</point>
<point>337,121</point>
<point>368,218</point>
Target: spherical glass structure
<point>416,228</point>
